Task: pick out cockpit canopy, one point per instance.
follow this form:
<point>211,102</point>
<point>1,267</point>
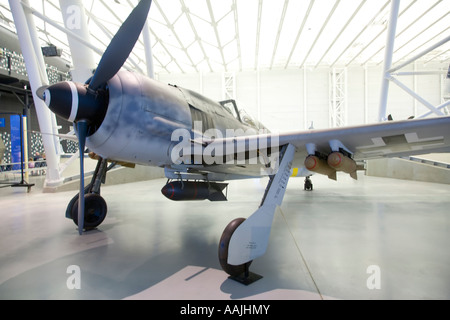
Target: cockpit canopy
<point>241,115</point>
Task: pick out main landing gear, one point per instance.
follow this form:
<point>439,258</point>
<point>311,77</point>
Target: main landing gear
<point>308,184</point>
<point>95,206</point>
<point>246,239</point>
<point>239,273</point>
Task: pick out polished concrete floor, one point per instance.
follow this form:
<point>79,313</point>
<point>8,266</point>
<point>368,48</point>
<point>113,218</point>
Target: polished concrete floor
<point>374,238</point>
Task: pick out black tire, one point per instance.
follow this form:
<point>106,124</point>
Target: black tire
<point>95,210</point>
<point>75,200</point>
<point>223,250</point>
<point>308,185</point>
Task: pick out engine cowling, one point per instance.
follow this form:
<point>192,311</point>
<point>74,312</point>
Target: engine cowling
<point>141,117</point>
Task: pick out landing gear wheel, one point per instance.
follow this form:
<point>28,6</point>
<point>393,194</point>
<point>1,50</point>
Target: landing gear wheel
<point>308,184</point>
<point>75,200</point>
<point>95,210</point>
<point>238,273</point>
<point>223,249</point>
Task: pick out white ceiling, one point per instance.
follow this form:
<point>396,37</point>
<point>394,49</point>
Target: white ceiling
<point>234,35</point>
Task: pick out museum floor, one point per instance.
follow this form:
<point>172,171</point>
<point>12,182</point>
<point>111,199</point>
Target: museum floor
<point>336,242</point>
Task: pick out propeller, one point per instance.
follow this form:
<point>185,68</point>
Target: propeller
<point>85,106</point>
<point>121,45</point>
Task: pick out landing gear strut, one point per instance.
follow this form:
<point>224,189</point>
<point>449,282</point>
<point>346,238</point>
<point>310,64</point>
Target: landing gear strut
<point>244,240</point>
<point>95,205</point>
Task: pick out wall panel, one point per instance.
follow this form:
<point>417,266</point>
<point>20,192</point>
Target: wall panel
<point>286,102</point>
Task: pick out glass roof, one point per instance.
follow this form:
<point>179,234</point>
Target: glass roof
<point>191,36</point>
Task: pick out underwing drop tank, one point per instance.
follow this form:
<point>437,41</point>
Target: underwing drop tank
<point>315,164</point>
<point>194,190</point>
<point>340,162</point>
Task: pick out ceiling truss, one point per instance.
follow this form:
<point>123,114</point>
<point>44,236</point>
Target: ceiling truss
<point>192,36</point>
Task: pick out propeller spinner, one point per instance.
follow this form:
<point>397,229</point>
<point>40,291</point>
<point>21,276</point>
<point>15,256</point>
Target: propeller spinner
<point>86,105</point>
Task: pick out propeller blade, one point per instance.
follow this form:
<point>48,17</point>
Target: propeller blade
<point>121,45</point>
<point>82,129</point>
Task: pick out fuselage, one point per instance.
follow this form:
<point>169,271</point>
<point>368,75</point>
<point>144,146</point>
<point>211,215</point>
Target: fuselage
<point>138,117</point>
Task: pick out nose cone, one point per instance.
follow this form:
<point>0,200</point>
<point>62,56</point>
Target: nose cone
<point>62,99</point>
<point>72,101</point>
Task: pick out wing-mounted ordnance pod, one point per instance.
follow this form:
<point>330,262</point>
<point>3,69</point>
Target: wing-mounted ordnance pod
<point>319,164</point>
<point>341,162</point>
<point>329,165</point>
<point>194,190</point>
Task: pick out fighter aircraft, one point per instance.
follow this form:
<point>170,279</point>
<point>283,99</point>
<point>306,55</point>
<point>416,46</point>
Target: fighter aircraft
<point>129,118</point>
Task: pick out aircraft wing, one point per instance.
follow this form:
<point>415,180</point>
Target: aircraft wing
<point>387,139</point>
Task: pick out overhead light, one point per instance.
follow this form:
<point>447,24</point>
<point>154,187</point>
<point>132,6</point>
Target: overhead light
<point>51,51</point>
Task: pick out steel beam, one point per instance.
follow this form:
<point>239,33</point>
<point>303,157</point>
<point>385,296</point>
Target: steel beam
<point>395,5</point>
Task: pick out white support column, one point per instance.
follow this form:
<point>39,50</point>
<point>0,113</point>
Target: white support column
<point>415,85</point>
<point>200,82</point>
<point>416,96</point>
<point>35,42</point>
<point>35,73</point>
<point>446,86</point>
<point>305,101</point>
<point>395,5</point>
<point>366,94</point>
<point>43,72</point>
<point>228,86</point>
<point>148,51</point>
<point>420,55</point>
<point>75,20</point>
<point>338,95</point>
<point>258,94</point>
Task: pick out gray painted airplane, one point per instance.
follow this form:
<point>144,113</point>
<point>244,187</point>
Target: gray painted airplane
<point>127,118</point>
